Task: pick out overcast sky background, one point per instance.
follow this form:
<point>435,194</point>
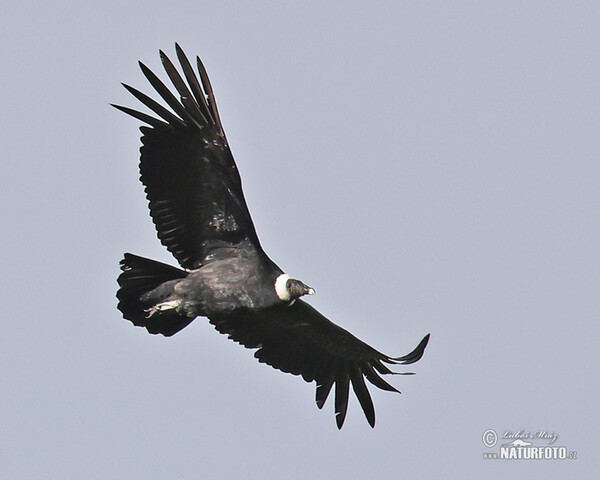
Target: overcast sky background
<point>426,166</point>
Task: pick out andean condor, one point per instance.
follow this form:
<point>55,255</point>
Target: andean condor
<point>197,205</point>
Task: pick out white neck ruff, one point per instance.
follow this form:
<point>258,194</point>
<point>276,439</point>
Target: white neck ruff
<point>281,287</point>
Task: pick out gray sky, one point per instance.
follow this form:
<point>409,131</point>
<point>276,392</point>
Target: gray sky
<point>426,166</point>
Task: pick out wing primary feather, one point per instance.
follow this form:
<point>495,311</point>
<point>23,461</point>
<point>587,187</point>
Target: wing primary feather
<point>154,106</point>
<point>362,393</point>
<point>381,368</point>
<point>187,98</point>
<point>209,93</point>
<point>322,393</point>
<point>376,380</point>
<point>342,390</point>
<point>188,71</point>
<point>413,356</point>
<point>324,385</point>
<point>165,93</point>
<point>150,120</point>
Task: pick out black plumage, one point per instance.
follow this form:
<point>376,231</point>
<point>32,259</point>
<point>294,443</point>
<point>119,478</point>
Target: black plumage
<point>198,207</point>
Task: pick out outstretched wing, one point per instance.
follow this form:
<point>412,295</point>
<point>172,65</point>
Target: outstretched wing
<point>192,183</point>
<point>299,340</point>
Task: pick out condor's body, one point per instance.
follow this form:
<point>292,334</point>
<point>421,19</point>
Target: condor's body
<point>196,202</point>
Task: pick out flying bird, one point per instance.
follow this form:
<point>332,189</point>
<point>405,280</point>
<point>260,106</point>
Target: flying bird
<point>196,202</point>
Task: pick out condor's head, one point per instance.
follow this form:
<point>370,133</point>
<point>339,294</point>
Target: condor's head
<point>289,289</point>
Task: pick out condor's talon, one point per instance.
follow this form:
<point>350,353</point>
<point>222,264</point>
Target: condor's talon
<point>161,307</point>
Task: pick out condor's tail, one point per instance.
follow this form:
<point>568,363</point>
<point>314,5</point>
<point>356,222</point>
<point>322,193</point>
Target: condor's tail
<point>140,276</point>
